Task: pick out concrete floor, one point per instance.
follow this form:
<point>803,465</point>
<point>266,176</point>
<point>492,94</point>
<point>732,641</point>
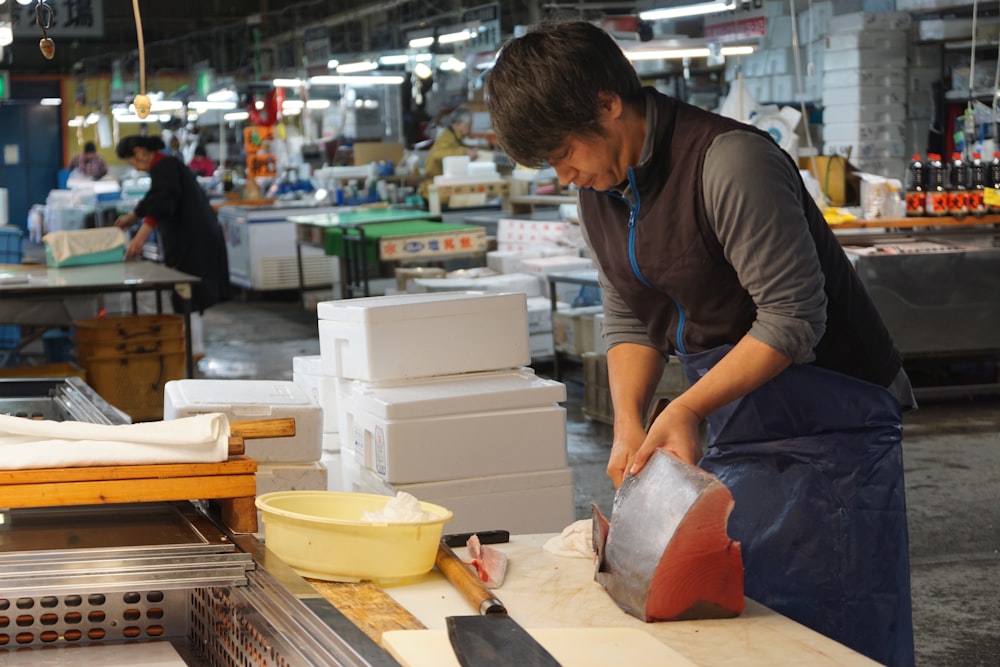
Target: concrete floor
<point>951,453</point>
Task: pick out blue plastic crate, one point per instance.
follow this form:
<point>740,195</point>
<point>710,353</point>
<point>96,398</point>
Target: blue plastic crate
<point>10,244</point>
<point>10,336</point>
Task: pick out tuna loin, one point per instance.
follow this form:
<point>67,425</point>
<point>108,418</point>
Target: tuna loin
<point>665,554</point>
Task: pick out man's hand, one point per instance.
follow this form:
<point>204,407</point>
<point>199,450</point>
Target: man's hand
<point>675,431</point>
<point>127,220</point>
<point>134,248</point>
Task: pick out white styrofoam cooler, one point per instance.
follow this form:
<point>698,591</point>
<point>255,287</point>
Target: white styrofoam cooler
<point>307,372</point>
<point>457,426</point>
<point>283,476</point>
<point>246,400</point>
<point>420,335</point>
<point>523,503</point>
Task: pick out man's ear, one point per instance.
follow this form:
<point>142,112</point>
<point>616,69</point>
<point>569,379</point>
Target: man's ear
<point>610,104</point>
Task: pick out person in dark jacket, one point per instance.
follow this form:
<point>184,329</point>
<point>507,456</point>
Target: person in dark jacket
<point>710,249</point>
<point>186,225</point>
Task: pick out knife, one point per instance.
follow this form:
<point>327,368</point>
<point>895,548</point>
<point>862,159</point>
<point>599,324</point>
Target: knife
<point>493,638</point>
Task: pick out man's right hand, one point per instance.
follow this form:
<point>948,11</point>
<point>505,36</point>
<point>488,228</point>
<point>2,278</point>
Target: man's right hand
<point>126,220</point>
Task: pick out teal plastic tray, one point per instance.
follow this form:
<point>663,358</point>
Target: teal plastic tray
<point>104,257</point>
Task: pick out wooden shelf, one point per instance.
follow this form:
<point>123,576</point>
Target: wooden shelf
<point>921,222</point>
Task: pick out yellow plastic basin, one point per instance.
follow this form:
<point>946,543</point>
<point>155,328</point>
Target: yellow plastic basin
<point>320,534</point>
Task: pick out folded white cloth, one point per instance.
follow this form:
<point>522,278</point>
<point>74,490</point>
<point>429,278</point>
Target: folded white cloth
<point>575,541</point>
<point>75,242</point>
<point>29,443</point>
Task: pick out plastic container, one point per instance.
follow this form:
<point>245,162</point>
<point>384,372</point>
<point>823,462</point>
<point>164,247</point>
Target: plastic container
<point>958,186</point>
<point>976,169</point>
<point>916,188</point>
<point>320,534</point>
<point>937,193</point>
<point>422,335</point>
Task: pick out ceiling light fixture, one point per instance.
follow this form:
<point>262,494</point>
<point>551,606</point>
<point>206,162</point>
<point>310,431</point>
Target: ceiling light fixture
<point>687,10</point>
<point>694,52</point>
<point>421,42</point>
<point>460,36</point>
<point>361,66</point>
<point>372,80</point>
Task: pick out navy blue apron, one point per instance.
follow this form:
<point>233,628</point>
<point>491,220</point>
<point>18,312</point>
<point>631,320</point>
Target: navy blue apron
<point>813,459</point>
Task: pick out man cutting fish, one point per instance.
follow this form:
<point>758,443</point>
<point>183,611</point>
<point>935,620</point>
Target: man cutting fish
<point>710,249</point>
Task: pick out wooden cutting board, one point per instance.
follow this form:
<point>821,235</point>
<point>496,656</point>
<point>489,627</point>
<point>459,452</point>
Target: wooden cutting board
<point>572,647</point>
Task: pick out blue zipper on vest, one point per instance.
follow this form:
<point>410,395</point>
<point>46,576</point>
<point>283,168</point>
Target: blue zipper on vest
<point>633,216</point>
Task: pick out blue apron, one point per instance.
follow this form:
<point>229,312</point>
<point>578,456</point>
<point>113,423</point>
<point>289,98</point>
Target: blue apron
<point>814,462</point>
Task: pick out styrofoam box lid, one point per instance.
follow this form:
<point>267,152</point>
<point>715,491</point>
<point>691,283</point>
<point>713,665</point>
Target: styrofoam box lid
<point>233,394</point>
<point>398,307</point>
<point>454,394</point>
<point>309,365</point>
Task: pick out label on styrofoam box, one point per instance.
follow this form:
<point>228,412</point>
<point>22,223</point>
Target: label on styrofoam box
<point>864,132</point>
<point>859,21</point>
<point>273,477</point>
<point>878,40</point>
<point>873,150</point>
<point>880,77</point>
<point>513,230</point>
<point>854,113</point>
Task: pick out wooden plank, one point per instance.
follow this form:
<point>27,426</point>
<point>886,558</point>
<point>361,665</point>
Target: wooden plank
<point>62,494</point>
<point>368,607</point>
<point>263,428</point>
<point>234,466</point>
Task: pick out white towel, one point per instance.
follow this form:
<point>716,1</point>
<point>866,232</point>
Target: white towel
<point>73,243</point>
<point>28,443</point>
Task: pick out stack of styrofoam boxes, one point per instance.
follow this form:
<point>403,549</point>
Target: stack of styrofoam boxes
<point>283,464</point>
<point>307,372</point>
<point>434,400</point>
<point>573,330</point>
<point>865,91</point>
<point>926,61</point>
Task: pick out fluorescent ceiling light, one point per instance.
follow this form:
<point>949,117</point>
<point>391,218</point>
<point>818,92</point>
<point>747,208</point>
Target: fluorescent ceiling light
<point>236,115</point>
<point>452,64</point>
<point>207,106</point>
<point>166,105</point>
<point>91,118</point>
<point>51,101</point>
<point>424,57</point>
<point>687,10</point>
<point>133,118</point>
<point>332,63</point>
<point>422,70</point>
<point>694,52</point>
<point>221,95</point>
<point>292,104</point>
<point>362,66</point>
<point>287,83</point>
<point>395,59</point>
<point>76,121</point>
<point>25,2</point>
<point>373,80</point>
<point>6,34</point>
<point>421,42</point>
<point>317,104</point>
<point>291,111</point>
<point>460,36</point>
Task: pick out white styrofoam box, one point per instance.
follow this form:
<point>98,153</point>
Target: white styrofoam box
<point>306,372</point>
<point>522,283</point>
<point>331,441</point>
<point>754,64</point>
<point>924,56</point>
<point>573,329</point>
<point>506,261</point>
<point>539,314</point>
<point>334,463</point>
<point>888,167</point>
<point>865,95</point>
<point>858,21</point>
<point>779,32</point>
<point>310,476</point>
<point>864,132</point>
<point>853,113</point>
<point>247,400</point>
<point>456,426</point>
<point>420,335</point>
<point>542,345</point>
<point>543,266</point>
<point>880,77</point>
<point>774,8</point>
<point>514,230</point>
<point>881,40</point>
<point>523,503</point>
<point>815,21</point>
<point>783,88</point>
<point>839,59</point>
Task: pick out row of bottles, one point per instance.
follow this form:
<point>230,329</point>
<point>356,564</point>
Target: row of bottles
<point>957,189</point>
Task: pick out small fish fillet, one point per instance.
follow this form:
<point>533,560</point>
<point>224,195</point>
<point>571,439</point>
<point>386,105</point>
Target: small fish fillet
<point>490,564</point>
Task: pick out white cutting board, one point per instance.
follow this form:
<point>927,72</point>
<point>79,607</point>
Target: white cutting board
<point>571,647</point>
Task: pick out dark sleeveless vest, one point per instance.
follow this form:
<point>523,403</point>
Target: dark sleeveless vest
<point>693,300</point>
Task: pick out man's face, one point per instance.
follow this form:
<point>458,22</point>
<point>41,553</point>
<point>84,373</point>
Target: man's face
<point>590,162</point>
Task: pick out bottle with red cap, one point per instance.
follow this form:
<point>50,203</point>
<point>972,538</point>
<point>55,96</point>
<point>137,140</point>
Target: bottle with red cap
<point>993,181</point>
<point>977,185</point>
<point>937,194</point>
<point>916,188</point>
<point>958,189</point>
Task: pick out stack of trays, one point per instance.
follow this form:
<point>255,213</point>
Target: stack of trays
<point>433,399</point>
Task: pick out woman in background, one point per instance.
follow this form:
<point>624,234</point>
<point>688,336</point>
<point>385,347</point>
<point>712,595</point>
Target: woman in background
<point>449,142</point>
<point>201,164</point>
<point>186,225</point>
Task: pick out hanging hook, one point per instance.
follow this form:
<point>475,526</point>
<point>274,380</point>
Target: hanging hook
<point>43,17</point>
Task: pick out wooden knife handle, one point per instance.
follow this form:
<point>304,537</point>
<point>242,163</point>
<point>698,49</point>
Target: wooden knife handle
<point>263,428</point>
<point>462,577</point>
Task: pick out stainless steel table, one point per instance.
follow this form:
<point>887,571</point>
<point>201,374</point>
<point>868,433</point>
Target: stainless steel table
<point>26,281</point>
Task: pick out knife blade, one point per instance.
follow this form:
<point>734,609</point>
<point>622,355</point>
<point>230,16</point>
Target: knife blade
<point>492,638</point>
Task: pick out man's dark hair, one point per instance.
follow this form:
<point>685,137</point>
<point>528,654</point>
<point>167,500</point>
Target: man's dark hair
<point>545,86</point>
<point>126,147</point>
<point>89,147</point>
